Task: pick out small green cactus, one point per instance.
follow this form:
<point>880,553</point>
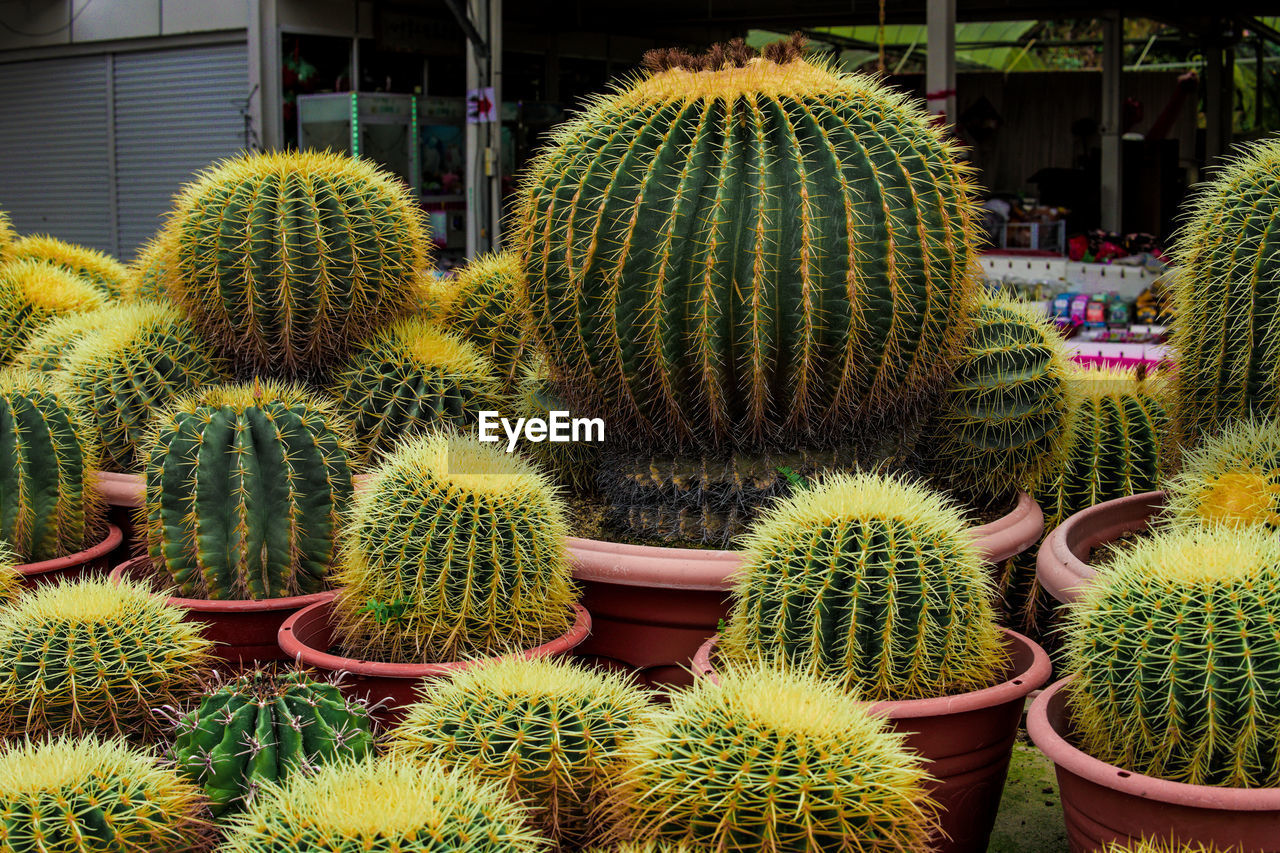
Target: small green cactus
<point>1232,478</point>
<point>1176,651</point>
<point>48,506</point>
<point>548,730</point>
<point>245,487</point>
<point>142,358</point>
<point>409,378</point>
<point>98,268</point>
<point>263,726</point>
<point>871,581</point>
<point>32,294</point>
<point>461,548</point>
<point>770,762</point>
<point>288,258</point>
<point>10,580</point>
<point>86,795</point>
<point>94,655</point>
<point>148,270</point>
<point>485,306</point>
<point>387,805</point>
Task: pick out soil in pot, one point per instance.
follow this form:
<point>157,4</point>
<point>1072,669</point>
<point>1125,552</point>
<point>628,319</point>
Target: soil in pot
<point>97,558</point>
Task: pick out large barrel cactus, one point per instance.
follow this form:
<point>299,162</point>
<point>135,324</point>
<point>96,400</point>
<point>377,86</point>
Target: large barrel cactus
<point>288,258</point>
<point>741,250</point>
<point>245,486</point>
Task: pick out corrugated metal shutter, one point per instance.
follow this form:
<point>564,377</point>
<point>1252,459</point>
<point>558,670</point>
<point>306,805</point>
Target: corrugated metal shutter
<point>54,157</point>
<point>176,111</point>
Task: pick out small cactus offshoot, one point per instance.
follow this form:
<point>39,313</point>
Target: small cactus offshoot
<point>32,294</point>
<point>98,268</point>
<point>484,305</point>
<point>1232,478</point>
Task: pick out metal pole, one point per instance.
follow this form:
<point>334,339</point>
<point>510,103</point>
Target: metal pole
<point>940,65</point>
<point>1112,69</point>
<point>476,186</point>
<point>494,172</point>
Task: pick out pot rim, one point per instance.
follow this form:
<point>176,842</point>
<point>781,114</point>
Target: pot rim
<point>1059,570</point>
<point>1043,727</point>
<point>138,565</point>
<point>108,544</point>
<point>120,489</point>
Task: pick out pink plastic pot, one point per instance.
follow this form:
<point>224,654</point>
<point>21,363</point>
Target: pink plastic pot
<point>1061,566</point>
<point>966,740</point>
<point>243,631</point>
<point>653,607</point>
<point>123,494</point>
<point>1104,803</point>
<point>95,559</point>
<point>307,635</point>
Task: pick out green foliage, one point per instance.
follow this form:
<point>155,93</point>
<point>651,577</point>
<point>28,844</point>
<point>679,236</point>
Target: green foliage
<point>245,487</point>
<point>548,730</point>
<point>471,537</point>
<point>1232,478</point>
<point>33,293</point>
<point>1176,650</point>
<point>264,726</point>
<point>288,258</point>
<point>484,305</point>
<point>101,270</point>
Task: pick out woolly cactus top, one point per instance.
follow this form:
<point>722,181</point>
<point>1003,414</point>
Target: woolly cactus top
<point>106,273</point>
<point>454,466</point>
<point>49,288</point>
<point>66,763</point>
<point>1232,479</point>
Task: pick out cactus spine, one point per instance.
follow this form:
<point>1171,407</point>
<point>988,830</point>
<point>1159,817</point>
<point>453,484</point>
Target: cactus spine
<point>148,270</point>
<point>573,464</point>
<point>675,297</point>
<point>484,306</point>
<point>287,258</point>
<point>32,294</point>
<point>101,270</point>
<point>7,238</point>
<point>1232,478</point>
<point>245,486</point>
<point>10,579</point>
<point>1156,846</point>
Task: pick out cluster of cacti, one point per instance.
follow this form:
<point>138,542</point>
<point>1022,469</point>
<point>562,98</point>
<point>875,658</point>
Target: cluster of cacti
<point>1176,654</point>
<point>1226,282</point>
<point>48,506</point>
<point>147,272</point>
<point>484,306</point>
<point>745,251</point>
<point>409,378</point>
<point>574,464</point>
<point>287,259</point>
<point>86,795</point>
<point>48,348</point>
<point>454,549</point>
<point>1232,478</point>
<point>549,731</point>
<point>10,579</point>
<point>387,805</point>
<point>263,726</point>
<point>33,293</point>
<point>245,486</point>
<point>136,364</point>
<point>770,762</point>
<point>101,270</point>
<point>93,655</point>
<point>1003,418</point>
<point>871,581</point>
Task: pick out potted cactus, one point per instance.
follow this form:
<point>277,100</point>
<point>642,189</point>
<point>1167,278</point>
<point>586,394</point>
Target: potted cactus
<point>1167,726</point>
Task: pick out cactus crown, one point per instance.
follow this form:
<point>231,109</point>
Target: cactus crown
<point>104,272</point>
<point>1233,478</point>
<point>54,341</point>
<point>485,306</point>
<point>31,294</point>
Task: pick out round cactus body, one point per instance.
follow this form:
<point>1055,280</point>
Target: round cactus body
<point>388,805</point>
<point>263,726</point>
<point>1232,478</point>
<point>873,582</point>
<point>741,250</point>
<point>136,364</point>
<point>101,270</point>
<point>245,486</point>
<point>93,655</point>
<point>790,763</point>
<point>548,730</point>
<point>484,305</point>
<point>288,258</point>
<point>86,795</point>
<point>48,506</point>
<point>455,549</point>
<point>50,346</point>
<point>32,294</point>
<point>1176,650</point>
<point>410,378</point>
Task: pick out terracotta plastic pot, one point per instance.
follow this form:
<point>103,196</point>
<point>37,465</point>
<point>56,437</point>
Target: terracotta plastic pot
<point>652,607</point>
<point>123,494</point>
<point>1104,803</point>
<point>1061,564</point>
<point>966,740</point>
<point>243,631</point>
<point>95,559</point>
<point>307,635</point>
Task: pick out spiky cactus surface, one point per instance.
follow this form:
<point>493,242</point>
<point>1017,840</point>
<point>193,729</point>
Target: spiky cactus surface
<point>86,795</point>
<point>1157,846</point>
<point>873,582</point>
<point>245,487</point>
<point>288,258</point>
<point>264,726</point>
<point>148,270</point>
<point>573,464</point>
<point>484,305</point>
<point>550,731</point>
<point>1176,650</point>
<point>651,846</point>
<point>98,268</point>
<point>93,655</point>
<point>10,580</point>
<point>1227,280</point>
<point>455,549</point>
<point>33,293</point>
<point>7,237</point>
<point>1232,478</point>
<point>388,805</point>
<point>790,764</point>
<point>135,365</point>
<point>48,506</point>
<point>50,346</point>
<point>739,250</point>
<point>410,378</point>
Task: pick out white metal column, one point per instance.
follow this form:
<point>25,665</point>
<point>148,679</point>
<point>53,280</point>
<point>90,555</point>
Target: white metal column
<point>940,67</point>
<point>483,140</point>
<point>1112,68</point>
